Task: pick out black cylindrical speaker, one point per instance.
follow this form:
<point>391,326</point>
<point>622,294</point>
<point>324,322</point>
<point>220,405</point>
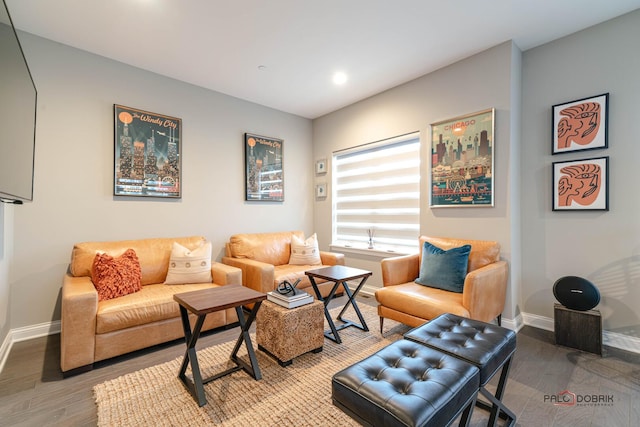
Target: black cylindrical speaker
<point>576,293</point>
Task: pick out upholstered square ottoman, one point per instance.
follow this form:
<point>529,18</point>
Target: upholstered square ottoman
<point>285,333</point>
<point>407,384</point>
<point>487,346</point>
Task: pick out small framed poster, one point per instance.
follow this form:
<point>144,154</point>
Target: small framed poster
<point>264,173</point>
<point>147,154</point>
<point>321,191</point>
<point>321,166</point>
<point>581,185</point>
<point>581,124</point>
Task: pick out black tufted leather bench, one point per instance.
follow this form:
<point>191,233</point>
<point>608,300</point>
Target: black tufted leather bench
<point>407,384</point>
<point>487,346</point>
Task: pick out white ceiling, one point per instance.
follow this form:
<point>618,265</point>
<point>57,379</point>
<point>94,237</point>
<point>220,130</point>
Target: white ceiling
<point>220,44</point>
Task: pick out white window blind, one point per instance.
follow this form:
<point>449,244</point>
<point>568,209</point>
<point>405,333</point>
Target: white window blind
<point>377,187</point>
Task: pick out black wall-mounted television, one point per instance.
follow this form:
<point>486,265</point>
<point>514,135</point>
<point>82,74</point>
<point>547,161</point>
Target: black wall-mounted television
<point>18,98</point>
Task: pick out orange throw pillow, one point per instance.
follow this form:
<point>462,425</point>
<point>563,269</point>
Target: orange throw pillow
<point>115,277</point>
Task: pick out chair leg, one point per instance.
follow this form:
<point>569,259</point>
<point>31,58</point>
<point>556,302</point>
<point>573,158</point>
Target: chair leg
<point>466,414</point>
<point>381,322</point>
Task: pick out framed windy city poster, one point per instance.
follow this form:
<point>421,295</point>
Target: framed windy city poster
<point>264,174</point>
<point>147,154</point>
<point>462,162</point>
<point>581,124</point>
<point>581,185</point>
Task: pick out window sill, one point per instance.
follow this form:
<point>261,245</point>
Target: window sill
<point>375,252</point>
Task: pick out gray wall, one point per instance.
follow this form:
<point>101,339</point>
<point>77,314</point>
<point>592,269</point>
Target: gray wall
<point>479,82</point>
<point>74,171</point>
<point>6,221</point>
<point>601,246</point>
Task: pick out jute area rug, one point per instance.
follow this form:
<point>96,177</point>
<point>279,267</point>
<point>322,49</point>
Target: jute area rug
<point>297,395</point>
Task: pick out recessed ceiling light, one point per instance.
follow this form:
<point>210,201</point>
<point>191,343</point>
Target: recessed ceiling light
<point>339,78</point>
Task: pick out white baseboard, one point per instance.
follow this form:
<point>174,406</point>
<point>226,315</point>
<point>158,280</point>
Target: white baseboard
<point>35,331</point>
<point>26,333</point>
<point>623,342</point>
<point>5,348</point>
<point>368,291</point>
<point>540,322</point>
<point>513,324</point>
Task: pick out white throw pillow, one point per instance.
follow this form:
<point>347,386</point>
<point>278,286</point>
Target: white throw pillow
<point>304,252</point>
<point>189,266</point>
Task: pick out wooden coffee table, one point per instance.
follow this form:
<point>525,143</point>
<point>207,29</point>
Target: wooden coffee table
<point>339,275</point>
<point>203,302</point>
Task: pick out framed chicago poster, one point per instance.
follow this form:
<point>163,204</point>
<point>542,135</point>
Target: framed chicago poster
<point>147,154</point>
<point>264,173</point>
<point>462,162</point>
<point>581,185</point>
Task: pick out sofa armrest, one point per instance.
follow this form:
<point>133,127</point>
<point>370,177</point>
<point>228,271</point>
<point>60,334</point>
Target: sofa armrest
<point>78,322</point>
<point>400,269</point>
<point>485,291</point>
<point>223,274</point>
<point>331,258</point>
<point>256,275</point>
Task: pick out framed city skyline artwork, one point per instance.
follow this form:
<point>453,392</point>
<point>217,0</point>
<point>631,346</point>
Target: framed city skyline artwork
<point>147,154</point>
<point>580,125</point>
<point>581,185</point>
<point>462,161</point>
<point>264,173</point>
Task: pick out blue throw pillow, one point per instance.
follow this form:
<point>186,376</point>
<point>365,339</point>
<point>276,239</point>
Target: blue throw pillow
<point>444,269</point>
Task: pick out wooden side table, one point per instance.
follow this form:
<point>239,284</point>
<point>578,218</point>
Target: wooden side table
<point>203,302</point>
<point>581,330</point>
<point>285,333</point>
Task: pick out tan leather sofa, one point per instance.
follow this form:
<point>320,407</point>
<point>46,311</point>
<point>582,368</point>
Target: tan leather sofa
<point>483,297</point>
<point>264,261</point>
<point>95,330</point>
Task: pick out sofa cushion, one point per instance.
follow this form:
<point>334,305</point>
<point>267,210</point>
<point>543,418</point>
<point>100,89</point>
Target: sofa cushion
<point>116,276</point>
<point>421,301</point>
<point>443,269</point>
<point>271,248</point>
<point>189,266</point>
<point>153,303</point>
<point>305,252</point>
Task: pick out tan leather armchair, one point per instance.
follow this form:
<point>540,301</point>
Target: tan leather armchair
<point>264,261</point>
<point>483,297</point>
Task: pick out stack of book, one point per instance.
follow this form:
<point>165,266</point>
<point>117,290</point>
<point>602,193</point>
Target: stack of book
<point>290,299</point>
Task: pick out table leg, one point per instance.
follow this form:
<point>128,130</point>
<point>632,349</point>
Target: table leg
<point>195,387</point>
<point>354,304</point>
<point>333,335</point>
<point>253,369</point>
<point>498,409</point>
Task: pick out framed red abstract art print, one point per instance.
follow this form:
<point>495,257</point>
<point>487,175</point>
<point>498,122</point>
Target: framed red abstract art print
<point>580,125</point>
<point>581,185</point>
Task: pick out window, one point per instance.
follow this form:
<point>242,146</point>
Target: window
<point>376,189</point>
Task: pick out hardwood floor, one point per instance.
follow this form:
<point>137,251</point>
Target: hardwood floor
<point>33,392</point>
